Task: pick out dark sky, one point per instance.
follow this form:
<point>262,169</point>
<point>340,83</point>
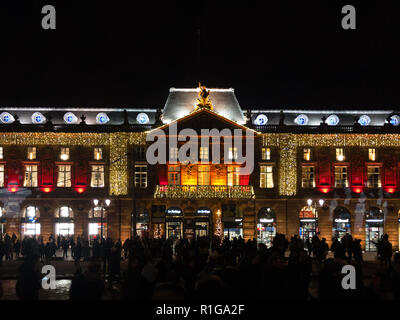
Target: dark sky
<point>128,53</point>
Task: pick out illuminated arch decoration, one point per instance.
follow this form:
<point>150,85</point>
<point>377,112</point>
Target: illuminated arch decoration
<point>70,118</point>
<point>38,118</point>
<point>332,120</point>
<point>142,118</point>
<point>6,118</point>
<point>308,212</point>
<point>102,118</point>
<point>261,120</point>
<point>395,120</point>
<point>301,120</point>
<point>374,214</point>
<point>31,213</point>
<point>364,120</point>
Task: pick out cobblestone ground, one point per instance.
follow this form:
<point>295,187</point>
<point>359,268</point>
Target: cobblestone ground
<point>65,271</point>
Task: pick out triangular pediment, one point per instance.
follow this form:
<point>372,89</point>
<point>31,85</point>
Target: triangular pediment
<point>204,119</point>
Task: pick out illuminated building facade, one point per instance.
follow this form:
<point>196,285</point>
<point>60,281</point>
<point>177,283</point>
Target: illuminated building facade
<point>315,170</point>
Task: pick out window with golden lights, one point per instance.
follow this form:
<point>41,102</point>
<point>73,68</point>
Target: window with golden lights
<point>307,154</point>
<point>97,176</point>
<point>341,177</point>
<point>2,175</point>
<point>308,177</point>
<point>203,153</point>
<point>233,176</point>
<point>265,153</point>
<point>64,176</point>
<point>372,154</point>
<point>174,175</point>
<point>140,176</point>
<point>31,155</point>
<point>339,154</point>
<point>31,176</point>
<point>64,154</point>
<point>98,154</point>
<point>374,177</point>
<point>266,177</point>
<point>203,175</point>
<point>1,153</point>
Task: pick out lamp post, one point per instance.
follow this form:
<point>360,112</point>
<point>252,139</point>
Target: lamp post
<point>103,204</point>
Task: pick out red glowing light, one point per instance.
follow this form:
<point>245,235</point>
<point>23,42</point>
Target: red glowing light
<point>13,188</point>
<point>47,189</point>
<point>357,189</point>
<point>324,189</point>
<point>391,189</point>
<point>80,190</point>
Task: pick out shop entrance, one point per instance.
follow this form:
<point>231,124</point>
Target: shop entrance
<point>341,223</point>
<point>95,230</point>
<point>266,226</point>
<point>232,219</point>
<point>374,228</point>
<point>202,222</point>
<point>308,222</point>
<point>174,223</point>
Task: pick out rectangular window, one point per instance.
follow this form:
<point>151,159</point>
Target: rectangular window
<point>174,175</point>
<point>64,176</point>
<point>140,153</point>
<point>341,177</point>
<point>31,153</point>
<point>203,153</point>
<point>339,154</point>
<point>173,154</point>
<point>203,176</point>
<point>307,154</point>
<point>374,177</point>
<point>233,176</point>
<point>98,154</point>
<point>31,176</point>
<point>232,153</point>
<point>308,177</point>
<point>1,175</point>
<point>265,153</point>
<point>140,176</point>
<point>266,177</point>
<point>97,177</point>
<point>372,154</point>
<point>1,153</point>
<point>64,154</point>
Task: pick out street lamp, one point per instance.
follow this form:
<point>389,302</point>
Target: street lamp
<point>104,204</point>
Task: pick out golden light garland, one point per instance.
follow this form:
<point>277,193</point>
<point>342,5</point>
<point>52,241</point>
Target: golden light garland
<point>203,192</point>
<point>119,163</point>
<point>289,142</point>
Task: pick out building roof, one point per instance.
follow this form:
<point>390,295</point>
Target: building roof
<point>181,102</point>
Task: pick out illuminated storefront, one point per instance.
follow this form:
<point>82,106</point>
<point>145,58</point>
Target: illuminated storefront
<point>174,223</point>
<point>142,223</point>
<point>96,223</point>
<point>266,226</point>
<point>158,220</point>
<point>64,219</point>
<point>308,222</point>
<point>374,225</point>
<point>341,222</point>
<point>232,220</point>
<point>202,222</point>
<point>30,221</point>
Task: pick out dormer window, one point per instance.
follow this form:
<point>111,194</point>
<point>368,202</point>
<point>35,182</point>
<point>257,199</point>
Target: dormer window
<point>339,154</point>
<point>98,153</point>
<point>31,155</point>
<point>265,153</point>
<point>307,154</point>
<point>372,154</point>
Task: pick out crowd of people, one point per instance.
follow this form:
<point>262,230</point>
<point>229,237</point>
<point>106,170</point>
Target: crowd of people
<point>209,268</point>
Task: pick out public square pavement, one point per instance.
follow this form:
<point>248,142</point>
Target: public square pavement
<point>65,270</point>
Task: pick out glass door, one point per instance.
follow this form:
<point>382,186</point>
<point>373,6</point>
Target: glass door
<point>374,231</point>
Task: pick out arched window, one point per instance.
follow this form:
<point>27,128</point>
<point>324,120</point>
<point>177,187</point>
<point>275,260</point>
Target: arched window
<point>341,214</point>
<point>64,212</point>
<point>374,213</point>
<point>266,215</point>
<point>96,213</point>
<point>31,212</point>
<point>308,212</point>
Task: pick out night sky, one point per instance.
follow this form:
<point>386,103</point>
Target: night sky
<point>129,53</point>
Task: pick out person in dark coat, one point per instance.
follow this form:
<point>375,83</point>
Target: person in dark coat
<point>28,279</point>
<point>89,285</point>
<point>17,248</point>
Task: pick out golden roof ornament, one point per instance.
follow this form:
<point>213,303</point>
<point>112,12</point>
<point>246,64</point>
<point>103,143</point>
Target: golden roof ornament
<point>204,98</point>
